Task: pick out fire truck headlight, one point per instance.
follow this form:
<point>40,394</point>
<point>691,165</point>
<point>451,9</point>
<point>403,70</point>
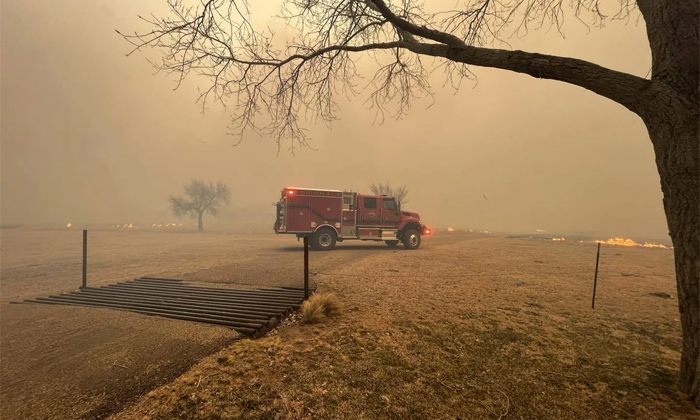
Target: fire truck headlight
<point>427,231</point>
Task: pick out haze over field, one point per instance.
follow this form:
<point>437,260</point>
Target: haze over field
<point>89,135</point>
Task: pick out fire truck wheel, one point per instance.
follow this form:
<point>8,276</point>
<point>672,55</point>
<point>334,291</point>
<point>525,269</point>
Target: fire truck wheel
<point>323,240</point>
<point>392,244</point>
<point>411,239</point>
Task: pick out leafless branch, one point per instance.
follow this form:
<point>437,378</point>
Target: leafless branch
<point>278,85</point>
<point>399,193</point>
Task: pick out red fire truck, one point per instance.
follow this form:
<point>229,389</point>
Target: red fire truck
<point>330,216</point>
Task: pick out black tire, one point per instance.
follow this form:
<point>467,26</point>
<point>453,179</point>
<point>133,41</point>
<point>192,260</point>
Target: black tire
<point>324,240</point>
<point>392,244</point>
<point>411,239</point>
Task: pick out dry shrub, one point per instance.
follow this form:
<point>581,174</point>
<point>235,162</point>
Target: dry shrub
<point>311,313</point>
<point>320,306</point>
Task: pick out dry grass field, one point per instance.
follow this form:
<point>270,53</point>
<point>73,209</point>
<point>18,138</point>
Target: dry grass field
<point>73,362</point>
<point>468,327</point>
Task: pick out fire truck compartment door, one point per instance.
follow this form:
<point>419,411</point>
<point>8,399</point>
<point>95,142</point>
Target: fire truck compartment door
<point>299,215</point>
<point>327,210</point>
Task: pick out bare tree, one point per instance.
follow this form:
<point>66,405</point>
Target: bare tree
<point>296,79</point>
<point>200,198</point>
<point>399,193</point>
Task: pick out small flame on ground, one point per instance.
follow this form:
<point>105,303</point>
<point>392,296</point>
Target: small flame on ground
<point>69,224</point>
<point>629,242</point>
<point>160,225</point>
<point>650,245</point>
<point>559,239</point>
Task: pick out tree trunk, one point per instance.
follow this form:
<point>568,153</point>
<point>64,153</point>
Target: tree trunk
<point>673,128</point>
<point>673,32</point>
<point>199,221</point>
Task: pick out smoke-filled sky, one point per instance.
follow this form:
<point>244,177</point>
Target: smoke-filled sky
<point>89,135</point>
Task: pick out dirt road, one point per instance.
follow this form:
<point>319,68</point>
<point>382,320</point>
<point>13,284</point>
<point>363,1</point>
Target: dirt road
<point>69,362</point>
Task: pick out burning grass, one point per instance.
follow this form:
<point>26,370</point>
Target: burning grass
<point>630,242</point>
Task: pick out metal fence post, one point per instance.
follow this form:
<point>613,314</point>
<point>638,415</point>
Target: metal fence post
<point>595,279</point>
<point>306,267</point>
<point>84,259</point>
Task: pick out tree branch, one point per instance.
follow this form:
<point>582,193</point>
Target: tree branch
<point>620,87</point>
<point>421,31</point>
<point>217,40</point>
<point>333,48</point>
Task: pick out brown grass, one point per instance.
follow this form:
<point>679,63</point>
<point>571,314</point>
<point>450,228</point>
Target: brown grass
<point>319,307</point>
<point>472,330</point>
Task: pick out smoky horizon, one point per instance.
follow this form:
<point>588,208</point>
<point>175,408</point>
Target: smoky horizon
<point>92,137</point>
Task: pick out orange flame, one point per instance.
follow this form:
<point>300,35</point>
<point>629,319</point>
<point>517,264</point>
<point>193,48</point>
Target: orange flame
<point>650,245</point>
<point>629,242</point>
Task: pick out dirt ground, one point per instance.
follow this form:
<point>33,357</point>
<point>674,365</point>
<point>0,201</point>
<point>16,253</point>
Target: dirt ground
<point>464,328</point>
<point>69,362</point>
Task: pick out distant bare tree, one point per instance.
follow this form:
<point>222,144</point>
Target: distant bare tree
<point>297,77</point>
<point>399,193</point>
<point>200,197</point>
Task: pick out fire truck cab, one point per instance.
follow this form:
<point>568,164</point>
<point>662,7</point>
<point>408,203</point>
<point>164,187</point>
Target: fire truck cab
<point>330,216</point>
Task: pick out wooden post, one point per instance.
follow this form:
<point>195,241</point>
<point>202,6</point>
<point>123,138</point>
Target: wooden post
<point>306,267</point>
<point>595,279</point>
<point>84,259</point>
